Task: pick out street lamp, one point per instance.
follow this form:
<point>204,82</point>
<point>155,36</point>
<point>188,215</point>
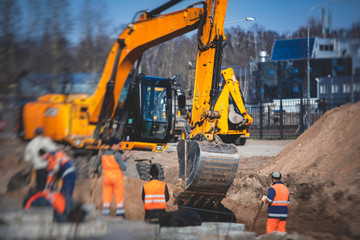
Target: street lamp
<point>308,56</point>
<point>242,20</point>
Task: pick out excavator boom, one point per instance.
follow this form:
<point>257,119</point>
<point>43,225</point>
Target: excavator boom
<point>130,45</point>
<point>207,165</point>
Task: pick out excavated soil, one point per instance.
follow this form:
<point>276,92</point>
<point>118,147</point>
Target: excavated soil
<point>321,169</point>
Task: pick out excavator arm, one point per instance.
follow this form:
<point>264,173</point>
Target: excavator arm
<point>139,36</point>
<point>208,66</point>
<point>207,165</point>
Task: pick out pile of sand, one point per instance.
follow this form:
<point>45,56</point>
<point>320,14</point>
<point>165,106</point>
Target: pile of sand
<point>321,169</point>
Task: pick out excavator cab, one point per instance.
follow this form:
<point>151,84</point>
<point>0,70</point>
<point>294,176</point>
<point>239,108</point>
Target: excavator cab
<point>149,106</point>
<point>155,108</point>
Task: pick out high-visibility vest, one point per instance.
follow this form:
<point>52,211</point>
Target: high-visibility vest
<point>59,157</point>
<point>154,195</point>
<point>56,199</point>
<point>54,159</point>
<point>278,207</point>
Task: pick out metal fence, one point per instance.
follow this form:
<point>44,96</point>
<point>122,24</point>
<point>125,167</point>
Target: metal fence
<point>287,119</point>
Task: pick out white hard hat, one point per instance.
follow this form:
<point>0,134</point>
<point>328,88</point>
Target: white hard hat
<point>276,175</point>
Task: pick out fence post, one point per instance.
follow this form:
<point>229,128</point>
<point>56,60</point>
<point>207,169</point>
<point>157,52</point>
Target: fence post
<point>301,120</point>
<point>268,123</point>
<point>261,120</point>
<point>281,119</point>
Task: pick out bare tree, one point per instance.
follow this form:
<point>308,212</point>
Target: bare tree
<point>243,46</point>
<point>315,29</point>
<point>94,44</point>
<point>10,17</point>
<point>57,26</point>
<point>171,57</point>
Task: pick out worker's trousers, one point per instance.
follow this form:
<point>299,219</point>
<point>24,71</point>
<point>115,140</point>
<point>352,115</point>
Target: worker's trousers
<point>274,224</point>
<point>41,175</point>
<point>113,185</point>
<point>68,184</point>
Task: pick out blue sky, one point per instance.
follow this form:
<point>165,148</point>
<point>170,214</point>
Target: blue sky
<point>283,16</point>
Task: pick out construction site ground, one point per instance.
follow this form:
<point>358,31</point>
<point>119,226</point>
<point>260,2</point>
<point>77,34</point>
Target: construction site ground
<point>321,169</point>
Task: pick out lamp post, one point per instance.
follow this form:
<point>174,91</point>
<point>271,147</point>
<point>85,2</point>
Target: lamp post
<point>242,20</point>
<point>308,57</point>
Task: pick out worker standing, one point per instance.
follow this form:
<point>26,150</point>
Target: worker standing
<point>60,166</point>
<point>278,200</point>
<point>155,194</point>
<point>32,154</point>
<point>113,163</point>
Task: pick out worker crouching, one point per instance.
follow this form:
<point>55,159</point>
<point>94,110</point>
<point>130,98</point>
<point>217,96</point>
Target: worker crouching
<point>60,167</point>
<point>65,209</point>
<point>62,171</point>
<point>113,164</point>
<point>155,194</point>
<point>279,203</point>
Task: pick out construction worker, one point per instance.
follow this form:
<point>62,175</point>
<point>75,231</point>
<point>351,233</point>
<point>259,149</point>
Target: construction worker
<point>32,154</point>
<point>65,209</point>
<point>113,163</point>
<point>278,200</point>
<point>155,194</point>
<point>59,167</point>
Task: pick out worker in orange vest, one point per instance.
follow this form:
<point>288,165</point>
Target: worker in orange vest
<point>155,194</point>
<point>61,166</point>
<point>113,163</point>
<point>279,203</point>
<point>65,209</point>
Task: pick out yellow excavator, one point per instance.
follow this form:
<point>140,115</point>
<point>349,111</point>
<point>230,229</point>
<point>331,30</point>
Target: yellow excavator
<point>137,109</point>
<point>207,165</point>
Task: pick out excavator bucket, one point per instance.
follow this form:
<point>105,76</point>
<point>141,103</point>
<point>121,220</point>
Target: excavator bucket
<point>207,171</point>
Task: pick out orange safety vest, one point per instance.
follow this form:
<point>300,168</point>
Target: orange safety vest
<point>282,195</point>
<point>154,195</point>
<point>278,207</point>
<point>53,160</point>
<point>56,199</point>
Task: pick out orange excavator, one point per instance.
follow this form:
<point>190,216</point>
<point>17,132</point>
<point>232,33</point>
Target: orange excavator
<point>137,109</point>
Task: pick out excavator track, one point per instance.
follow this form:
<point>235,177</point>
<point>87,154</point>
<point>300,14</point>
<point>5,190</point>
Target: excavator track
<point>210,170</point>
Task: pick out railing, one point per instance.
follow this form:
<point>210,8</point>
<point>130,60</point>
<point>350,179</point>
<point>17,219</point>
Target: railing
<point>286,119</point>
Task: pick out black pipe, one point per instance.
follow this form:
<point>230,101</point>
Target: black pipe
<point>216,72</point>
<point>158,10</point>
<point>108,103</point>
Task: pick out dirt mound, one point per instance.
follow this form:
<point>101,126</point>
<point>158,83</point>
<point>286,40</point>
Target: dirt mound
<point>322,170</point>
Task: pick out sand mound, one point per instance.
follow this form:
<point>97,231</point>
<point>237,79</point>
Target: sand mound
<point>330,149</point>
<point>322,170</point>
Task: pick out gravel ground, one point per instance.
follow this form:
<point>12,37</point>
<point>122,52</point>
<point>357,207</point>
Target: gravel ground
<point>252,148</point>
